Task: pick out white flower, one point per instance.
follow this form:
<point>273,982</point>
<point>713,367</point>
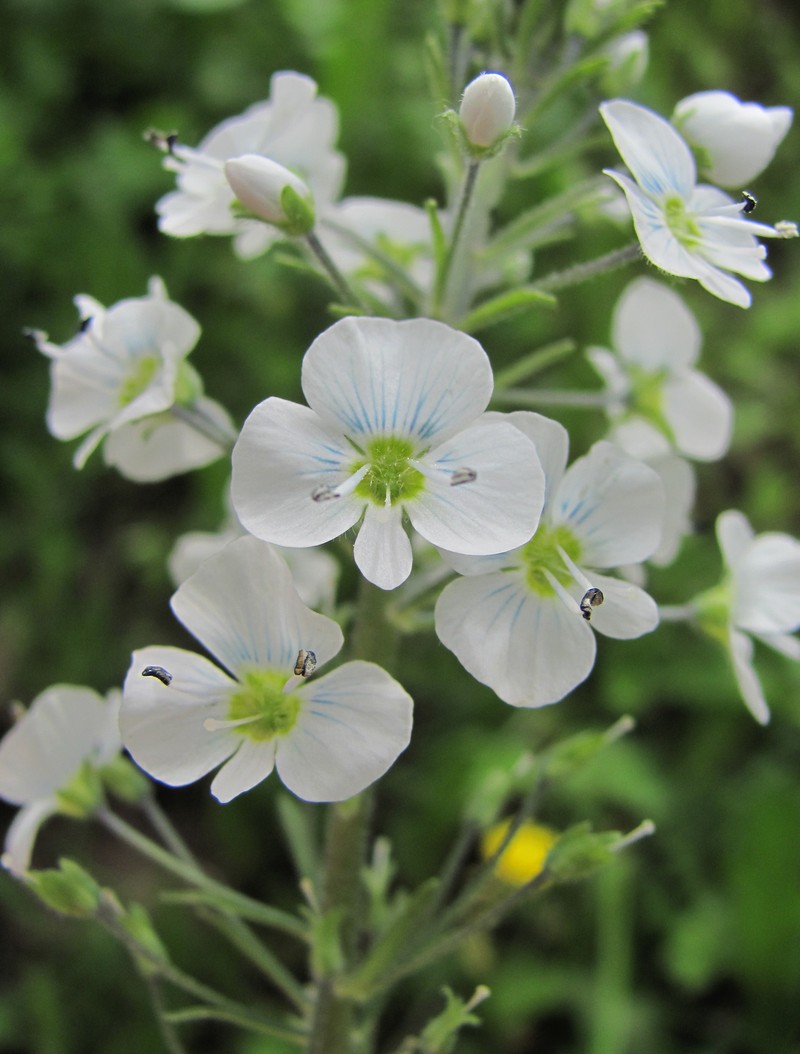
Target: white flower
<point>487,109</point>
<point>393,426</point>
<point>293,128</point>
<point>734,141</point>
<point>686,229</point>
<point>760,596</point>
<point>44,759</point>
<point>650,375</point>
<point>328,737</point>
<point>123,378</point>
<point>522,622</point>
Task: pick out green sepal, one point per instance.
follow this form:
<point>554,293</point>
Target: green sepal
<point>82,795</point>
<point>504,306</point>
<point>188,385</point>
<point>122,779</point>
<point>137,922</point>
<point>580,852</point>
<point>299,212</point>
<point>409,918</point>
<point>68,889</point>
<point>440,1034</point>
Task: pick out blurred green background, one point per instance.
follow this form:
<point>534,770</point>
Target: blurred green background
<point>693,942</point>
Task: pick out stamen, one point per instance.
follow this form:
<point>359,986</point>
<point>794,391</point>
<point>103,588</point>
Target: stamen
<point>327,493</point>
<point>439,474</point>
<point>748,202</point>
<point>211,724</point>
<point>305,664</point>
<point>574,570</point>
<point>592,598</point>
<point>159,673</point>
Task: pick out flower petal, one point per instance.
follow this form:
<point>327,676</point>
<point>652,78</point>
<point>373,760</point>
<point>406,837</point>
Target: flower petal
<point>376,376</point>
<point>734,536</point>
<point>284,453</point>
<point>614,506</point>
<point>659,159</point>
<point>699,414</point>
<point>741,653</point>
<point>627,612</point>
<point>251,764</point>
<point>382,550</point>
<point>530,650</point>
<point>500,509</point>
<point>162,726</point>
<point>550,438</point>
<point>654,328</point>
<point>353,724</point>
<point>22,832</point>
<point>767,585</point>
<point>242,606</point>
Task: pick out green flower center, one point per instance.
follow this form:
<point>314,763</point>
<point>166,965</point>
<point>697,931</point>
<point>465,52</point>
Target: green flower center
<point>713,608</point>
<point>541,554</point>
<point>390,477</point>
<point>140,377</point>
<point>647,398</point>
<point>681,223</point>
<point>263,704</point>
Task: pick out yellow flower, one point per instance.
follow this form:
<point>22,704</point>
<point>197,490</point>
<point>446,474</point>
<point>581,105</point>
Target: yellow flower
<point>524,856</point>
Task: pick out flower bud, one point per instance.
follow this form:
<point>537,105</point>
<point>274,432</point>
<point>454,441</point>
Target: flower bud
<point>271,192</point>
<point>487,109</point>
<point>734,141</point>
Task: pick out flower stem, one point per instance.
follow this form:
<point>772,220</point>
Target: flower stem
<point>240,904</point>
<point>337,279</point>
<point>591,269</point>
<point>465,200</point>
<point>532,363</point>
<point>551,397</point>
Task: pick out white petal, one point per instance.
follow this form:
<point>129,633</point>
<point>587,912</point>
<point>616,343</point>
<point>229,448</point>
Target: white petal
<point>22,832</point>
<point>741,652</point>
<point>654,328</point>
<point>64,726</point>
<point>659,159</point>
<point>627,612</point>
<point>700,415</point>
<point>678,479</point>
<point>613,504</point>
<point>767,585</point>
<point>242,606</point>
<point>783,643</point>
<point>734,536</point>
<point>164,446</point>
<point>376,377</point>
<point>550,438</point>
<point>353,724</point>
<point>282,456</point>
<point>162,725</point>
<point>500,509</point>
<point>382,550</point>
<point>530,650</point>
<point>614,376</point>
<point>251,764</point>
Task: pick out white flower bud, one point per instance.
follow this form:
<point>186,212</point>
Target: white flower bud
<point>487,109</point>
<point>735,140</point>
<point>261,186</point>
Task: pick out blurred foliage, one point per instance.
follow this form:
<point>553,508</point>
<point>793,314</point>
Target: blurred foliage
<point>693,942</point>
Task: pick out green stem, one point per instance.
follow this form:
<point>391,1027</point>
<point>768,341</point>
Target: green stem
<point>610,1023</point>
<point>591,269</point>
<point>227,898</point>
<point>400,277</point>
<point>168,1034</point>
<point>202,423</point>
<point>337,279</point>
<point>532,363</point>
<point>465,200</point>
<point>230,1017</point>
<point>548,397</point>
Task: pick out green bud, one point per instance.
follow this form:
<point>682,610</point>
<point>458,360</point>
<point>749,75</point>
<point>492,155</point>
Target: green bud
<point>124,780</point>
<point>69,890</point>
<point>82,795</point>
